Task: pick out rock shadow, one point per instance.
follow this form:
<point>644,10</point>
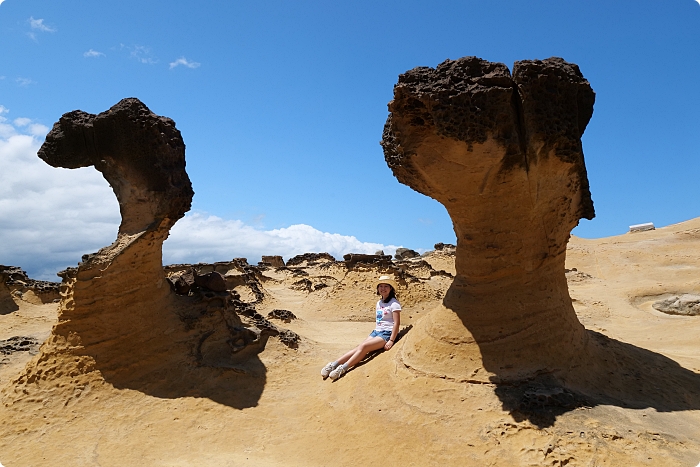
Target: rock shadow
<point>237,386</point>
<point>194,348</point>
<point>610,372</point>
<point>7,304</point>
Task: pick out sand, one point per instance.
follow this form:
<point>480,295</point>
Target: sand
<point>279,411</point>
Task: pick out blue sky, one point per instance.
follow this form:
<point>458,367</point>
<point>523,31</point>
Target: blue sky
<point>282,104</point>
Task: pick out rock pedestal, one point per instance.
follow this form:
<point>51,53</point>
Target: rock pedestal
<point>503,154</point>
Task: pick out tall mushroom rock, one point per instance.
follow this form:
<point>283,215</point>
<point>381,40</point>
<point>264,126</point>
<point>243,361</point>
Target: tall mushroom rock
<point>117,295</point>
<point>503,154</point>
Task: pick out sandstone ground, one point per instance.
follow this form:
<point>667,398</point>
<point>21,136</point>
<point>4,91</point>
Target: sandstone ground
<point>277,410</point>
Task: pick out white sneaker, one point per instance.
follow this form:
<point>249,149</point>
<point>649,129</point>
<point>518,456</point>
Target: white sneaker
<point>338,372</point>
<point>326,370</point>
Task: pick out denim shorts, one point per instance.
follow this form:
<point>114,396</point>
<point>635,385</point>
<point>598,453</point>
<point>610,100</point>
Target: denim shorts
<point>386,335</point>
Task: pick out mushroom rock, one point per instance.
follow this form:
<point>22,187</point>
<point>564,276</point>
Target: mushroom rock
<point>116,300</point>
<point>503,154</point>
<point>119,321</point>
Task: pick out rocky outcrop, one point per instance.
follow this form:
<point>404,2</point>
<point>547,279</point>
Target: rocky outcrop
<point>684,304</point>
<point>353,259</point>
<point>310,259</point>
<point>405,253</point>
<point>14,276</point>
<point>284,315</point>
<point>503,154</point>
<point>15,282</point>
<point>445,247</point>
<point>17,344</point>
<point>274,261</point>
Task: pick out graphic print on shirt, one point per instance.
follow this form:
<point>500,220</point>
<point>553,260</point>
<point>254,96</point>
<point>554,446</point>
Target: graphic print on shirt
<point>385,314</point>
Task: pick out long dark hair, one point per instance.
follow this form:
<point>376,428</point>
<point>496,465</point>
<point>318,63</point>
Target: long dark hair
<point>392,294</point>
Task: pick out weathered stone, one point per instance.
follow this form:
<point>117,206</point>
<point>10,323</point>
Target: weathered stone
<point>19,344</point>
<point>405,253</point>
<point>303,284</point>
<point>213,281</point>
<point>14,276</point>
<point>685,304</point>
<point>503,154</point>
<point>274,261</point>
<point>184,283</point>
<point>351,259</point>
<point>284,315</point>
<point>309,257</point>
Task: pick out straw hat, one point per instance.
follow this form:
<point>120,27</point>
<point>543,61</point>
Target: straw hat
<point>386,280</point>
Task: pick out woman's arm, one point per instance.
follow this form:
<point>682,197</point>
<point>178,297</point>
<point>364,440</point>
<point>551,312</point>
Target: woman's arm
<point>394,330</point>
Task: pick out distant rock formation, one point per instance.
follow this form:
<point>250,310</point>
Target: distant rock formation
<point>405,253</point>
<point>15,282</point>
<point>445,247</point>
<point>503,154</point>
<point>352,259</point>
<point>274,261</point>
<point>15,276</point>
<point>310,259</point>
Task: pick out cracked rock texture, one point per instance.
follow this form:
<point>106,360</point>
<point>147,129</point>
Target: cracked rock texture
<point>503,154</point>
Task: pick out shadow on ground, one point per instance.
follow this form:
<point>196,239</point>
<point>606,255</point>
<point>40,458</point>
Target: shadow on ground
<point>165,359</point>
<point>611,373</point>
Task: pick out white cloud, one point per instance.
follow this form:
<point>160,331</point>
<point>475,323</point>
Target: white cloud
<point>93,53</point>
<point>35,129</point>
<point>183,61</point>
<point>38,130</point>
<point>3,109</point>
<point>50,217</point>
<point>24,81</point>
<point>38,24</point>
<point>200,237</point>
<point>142,54</point>
<point>6,130</point>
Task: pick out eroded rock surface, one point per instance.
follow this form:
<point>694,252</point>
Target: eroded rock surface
<point>503,154</point>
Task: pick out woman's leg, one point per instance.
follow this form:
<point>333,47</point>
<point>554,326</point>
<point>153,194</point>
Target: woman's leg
<point>356,355</point>
<point>347,355</point>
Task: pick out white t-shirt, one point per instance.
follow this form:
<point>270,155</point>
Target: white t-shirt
<point>385,314</point>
